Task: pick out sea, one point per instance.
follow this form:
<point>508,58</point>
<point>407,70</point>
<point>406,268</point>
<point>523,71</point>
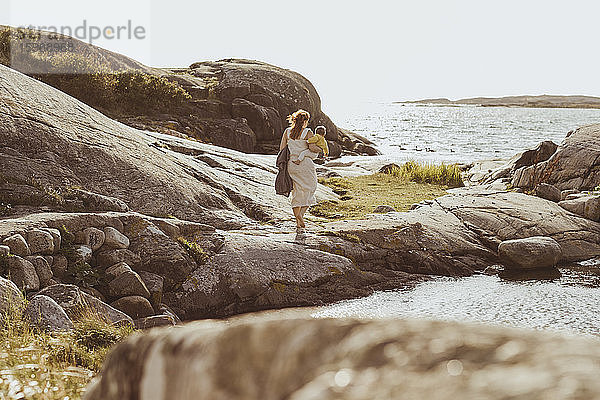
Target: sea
<point>459,134</point>
<point>464,134</point>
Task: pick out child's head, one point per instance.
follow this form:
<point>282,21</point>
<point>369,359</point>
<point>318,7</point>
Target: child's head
<point>320,130</point>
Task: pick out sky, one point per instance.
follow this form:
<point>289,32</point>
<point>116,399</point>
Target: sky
<point>354,51</point>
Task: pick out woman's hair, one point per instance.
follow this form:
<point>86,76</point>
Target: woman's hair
<point>297,121</point>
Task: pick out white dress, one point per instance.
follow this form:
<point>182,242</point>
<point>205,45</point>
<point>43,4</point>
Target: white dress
<point>304,175</point>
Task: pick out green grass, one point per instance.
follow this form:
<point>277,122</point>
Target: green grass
<point>360,195</point>
<point>194,250</point>
<point>38,365</point>
<point>423,172</point>
<point>92,80</point>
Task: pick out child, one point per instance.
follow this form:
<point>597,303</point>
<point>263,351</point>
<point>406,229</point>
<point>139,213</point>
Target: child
<point>317,140</point>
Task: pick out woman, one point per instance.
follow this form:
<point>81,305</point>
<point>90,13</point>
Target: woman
<point>303,173</point>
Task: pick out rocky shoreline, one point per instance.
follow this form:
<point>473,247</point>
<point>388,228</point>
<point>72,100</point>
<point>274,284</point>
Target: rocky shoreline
<point>217,235</point>
<point>150,229</point>
<point>542,101</point>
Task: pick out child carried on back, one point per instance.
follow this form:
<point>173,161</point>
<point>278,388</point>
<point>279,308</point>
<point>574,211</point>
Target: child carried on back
<point>316,142</point>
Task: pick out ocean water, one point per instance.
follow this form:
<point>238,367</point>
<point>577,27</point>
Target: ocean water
<point>570,304</point>
<point>465,134</point>
<point>459,133</point>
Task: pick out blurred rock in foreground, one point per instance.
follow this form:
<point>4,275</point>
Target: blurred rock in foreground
<point>258,358</point>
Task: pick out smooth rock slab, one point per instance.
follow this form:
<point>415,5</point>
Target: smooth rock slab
<point>45,313</point>
<point>17,244</point>
<point>576,205</point>
<point>534,252</point>
<point>300,359</point>
<point>40,241</point>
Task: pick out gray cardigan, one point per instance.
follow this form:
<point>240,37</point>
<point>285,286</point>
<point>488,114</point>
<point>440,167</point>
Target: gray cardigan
<point>283,181</point>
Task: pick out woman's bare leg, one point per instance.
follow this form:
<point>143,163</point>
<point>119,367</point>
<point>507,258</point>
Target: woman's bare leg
<point>301,213</point>
<point>296,211</point>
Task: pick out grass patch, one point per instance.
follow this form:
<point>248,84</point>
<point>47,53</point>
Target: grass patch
<point>38,365</point>
<point>423,172</point>
<point>194,250</point>
<point>362,194</point>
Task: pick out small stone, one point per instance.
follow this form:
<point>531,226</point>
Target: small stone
<point>534,252</point>
<point>94,293</point>
<point>40,241</point>
<point>155,284</point>
<point>49,259</point>
<point>115,239</point>
<point>17,244</point>
<point>548,192</point>
<point>59,266</point>
<point>111,257</point>
<point>93,237</point>
<point>82,253</point>
<point>566,193</point>
<point>45,313</point>
<point>164,309</point>
<point>42,269</point>
<point>118,269</point>
<point>576,206</point>
<point>55,236</point>
<point>4,250</point>
<point>128,284</point>
<point>592,208</point>
<point>22,273</point>
<point>384,209</point>
<point>169,228</point>
<point>77,303</point>
<point>154,321</point>
<point>134,306</point>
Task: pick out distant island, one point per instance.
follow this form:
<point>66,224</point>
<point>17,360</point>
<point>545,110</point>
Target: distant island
<point>545,101</point>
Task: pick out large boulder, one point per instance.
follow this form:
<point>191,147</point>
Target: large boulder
<point>533,252</point>
<point>22,273</point>
<point>303,358</point>
<point>252,272</point>
<point>506,170</point>
<point>575,165</point>
<point>45,313</point>
<point>264,94</point>
<point>64,144</point>
<point>40,241</point>
<point>17,245</point>
<point>235,103</point>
